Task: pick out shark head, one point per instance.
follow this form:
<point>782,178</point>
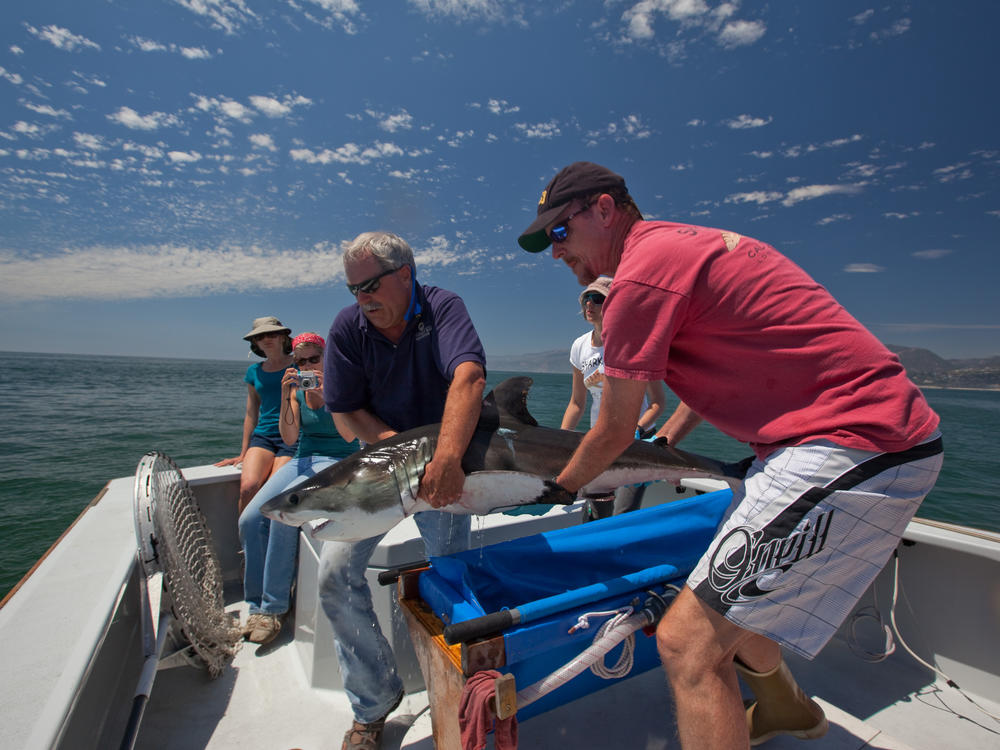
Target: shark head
<point>353,499</point>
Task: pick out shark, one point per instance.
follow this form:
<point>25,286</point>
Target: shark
<point>511,461</point>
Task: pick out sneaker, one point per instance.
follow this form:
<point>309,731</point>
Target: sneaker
<point>368,736</point>
<point>251,624</point>
<point>265,629</point>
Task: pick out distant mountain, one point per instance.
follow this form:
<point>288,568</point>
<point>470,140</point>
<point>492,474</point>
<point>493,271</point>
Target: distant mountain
<point>926,368</point>
<point>923,366</point>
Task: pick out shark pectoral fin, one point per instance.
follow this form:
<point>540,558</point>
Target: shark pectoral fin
<point>489,491</point>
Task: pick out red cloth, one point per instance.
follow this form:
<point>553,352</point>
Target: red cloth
<point>476,718</point>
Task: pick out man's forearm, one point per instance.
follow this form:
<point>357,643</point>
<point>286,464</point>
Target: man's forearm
<point>680,424</point>
<point>364,425</point>
<point>461,411</point>
<point>614,431</point>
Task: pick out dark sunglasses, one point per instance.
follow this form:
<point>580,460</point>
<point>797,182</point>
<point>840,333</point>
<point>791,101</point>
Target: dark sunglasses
<point>560,231</point>
<point>370,286</point>
<point>593,298</point>
<point>268,335</point>
<point>314,360</point>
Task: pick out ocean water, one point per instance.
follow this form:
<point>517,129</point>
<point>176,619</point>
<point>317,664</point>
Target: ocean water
<point>71,423</point>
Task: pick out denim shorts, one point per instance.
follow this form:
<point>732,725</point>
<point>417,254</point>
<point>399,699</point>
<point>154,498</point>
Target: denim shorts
<point>273,444</point>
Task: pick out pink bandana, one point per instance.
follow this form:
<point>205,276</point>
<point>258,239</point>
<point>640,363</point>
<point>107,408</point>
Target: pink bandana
<point>309,338</point>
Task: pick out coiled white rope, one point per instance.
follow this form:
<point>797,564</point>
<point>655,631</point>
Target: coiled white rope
<point>624,664</point>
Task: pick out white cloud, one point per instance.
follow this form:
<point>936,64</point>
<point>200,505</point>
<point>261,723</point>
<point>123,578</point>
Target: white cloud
<point>810,192</point>
<point>689,17</point>
<point>227,15</point>
<point>931,254</point>
<point>89,141</point>
<point>163,271</point>
<point>15,50</point>
<point>863,268</point>
<point>747,121</point>
<point>274,108</point>
<point>741,33</point>
<point>343,13</point>
<point>392,123</point>
<point>131,119</point>
<point>759,197</point>
<point>696,123</point>
<point>863,17</point>
<point>46,109</point>
<point>898,28</point>
<point>183,157</point>
<point>195,53</point>
<point>461,10</point>
<point>150,152</point>
<point>11,77</point>
<point>953,172</point>
<point>628,128</point>
<point>548,129</point>
<point>349,153</point>
<point>62,38</point>
<point>263,140</point>
<point>90,80</point>
<point>833,219</point>
<point>151,45</point>
<point>29,129</point>
<point>501,107</point>
<point>147,45</point>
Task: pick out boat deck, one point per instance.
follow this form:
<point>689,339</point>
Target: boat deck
<point>264,701</point>
<point>72,630</point>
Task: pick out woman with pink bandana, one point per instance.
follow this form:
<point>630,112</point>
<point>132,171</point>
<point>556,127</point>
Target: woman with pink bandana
<point>269,548</point>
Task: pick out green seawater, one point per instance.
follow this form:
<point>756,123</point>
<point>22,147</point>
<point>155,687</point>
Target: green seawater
<point>71,423</point>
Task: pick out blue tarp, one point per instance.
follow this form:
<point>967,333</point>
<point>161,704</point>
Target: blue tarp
<point>554,577</point>
<point>606,554</point>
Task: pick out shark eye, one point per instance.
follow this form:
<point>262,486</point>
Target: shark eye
<point>293,499</point>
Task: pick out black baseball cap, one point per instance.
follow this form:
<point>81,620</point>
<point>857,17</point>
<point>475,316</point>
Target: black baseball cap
<point>578,179</point>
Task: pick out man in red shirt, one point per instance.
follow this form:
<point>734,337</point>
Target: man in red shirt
<point>846,446</point>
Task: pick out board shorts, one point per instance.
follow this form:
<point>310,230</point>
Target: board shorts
<point>807,534</point>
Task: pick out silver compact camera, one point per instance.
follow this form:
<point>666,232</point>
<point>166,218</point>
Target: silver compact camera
<point>308,380</point>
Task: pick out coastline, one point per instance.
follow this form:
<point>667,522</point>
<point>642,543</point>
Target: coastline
<point>995,389</point>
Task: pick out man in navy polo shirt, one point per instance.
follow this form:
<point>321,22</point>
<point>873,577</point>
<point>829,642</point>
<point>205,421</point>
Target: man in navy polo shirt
<point>405,355</point>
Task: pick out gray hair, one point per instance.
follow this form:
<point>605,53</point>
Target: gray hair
<point>389,250</point>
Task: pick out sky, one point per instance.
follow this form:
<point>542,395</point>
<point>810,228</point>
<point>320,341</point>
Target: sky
<point>172,169</point>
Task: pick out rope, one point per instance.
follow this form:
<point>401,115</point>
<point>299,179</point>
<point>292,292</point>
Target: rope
<point>899,637</point>
<point>624,664</point>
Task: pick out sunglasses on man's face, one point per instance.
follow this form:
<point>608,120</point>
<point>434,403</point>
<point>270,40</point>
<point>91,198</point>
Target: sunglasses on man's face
<point>560,231</point>
<point>370,286</point>
<point>314,360</point>
<point>593,298</point>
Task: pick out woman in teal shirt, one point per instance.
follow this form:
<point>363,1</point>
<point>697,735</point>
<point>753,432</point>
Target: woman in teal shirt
<point>263,451</point>
<point>270,548</point>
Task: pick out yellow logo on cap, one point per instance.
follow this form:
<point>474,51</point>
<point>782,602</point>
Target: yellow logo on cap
<point>542,199</point>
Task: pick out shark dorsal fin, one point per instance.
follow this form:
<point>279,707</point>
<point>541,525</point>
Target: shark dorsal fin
<point>511,400</point>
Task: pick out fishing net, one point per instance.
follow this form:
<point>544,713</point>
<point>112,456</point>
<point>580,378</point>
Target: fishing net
<point>174,537</point>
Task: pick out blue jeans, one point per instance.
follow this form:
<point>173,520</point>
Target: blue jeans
<point>270,547</point>
<point>367,664</point>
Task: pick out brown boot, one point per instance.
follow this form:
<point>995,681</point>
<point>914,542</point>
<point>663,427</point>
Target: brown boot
<point>781,706</point>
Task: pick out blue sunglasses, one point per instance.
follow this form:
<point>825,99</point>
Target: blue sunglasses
<point>560,231</point>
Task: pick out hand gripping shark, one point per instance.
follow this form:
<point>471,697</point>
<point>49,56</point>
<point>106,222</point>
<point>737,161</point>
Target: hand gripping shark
<point>510,461</point>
